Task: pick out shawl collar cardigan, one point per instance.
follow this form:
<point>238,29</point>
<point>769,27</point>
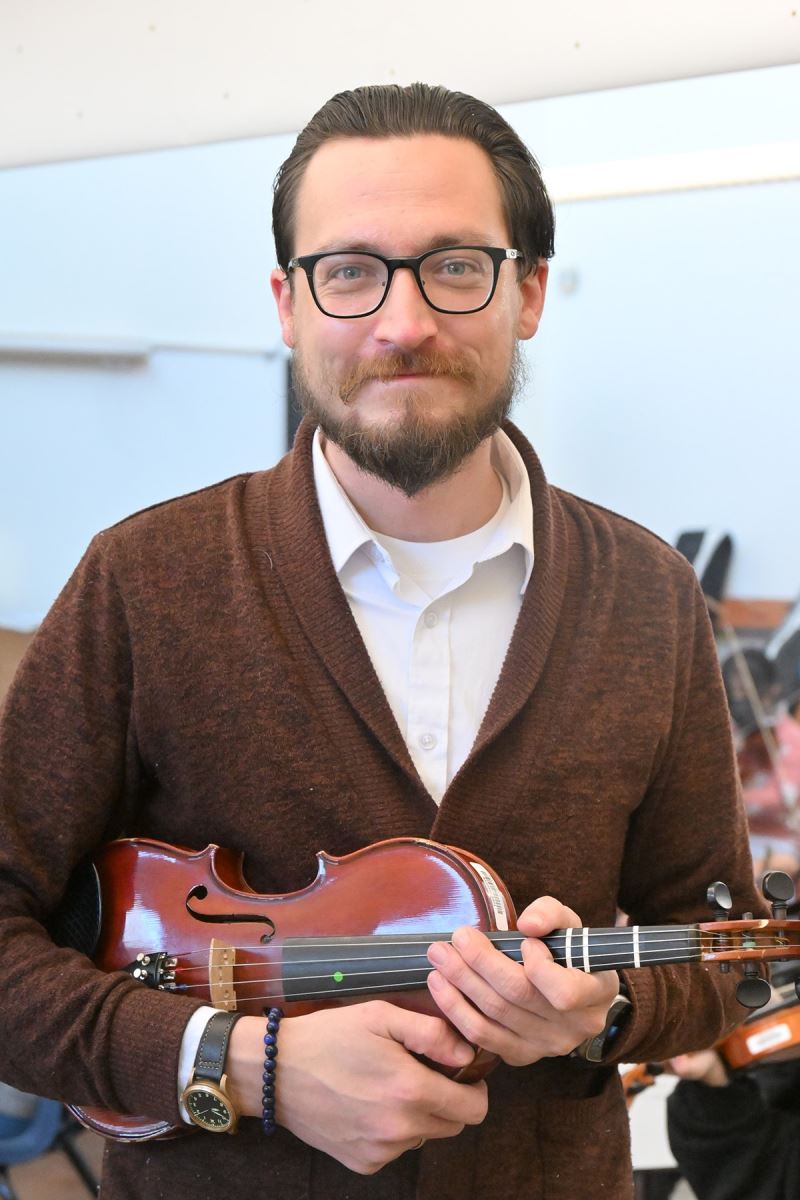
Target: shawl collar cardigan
<point>201,679</point>
<point>316,596</point>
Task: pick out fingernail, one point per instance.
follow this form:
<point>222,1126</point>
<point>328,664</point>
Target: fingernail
<point>460,938</point>
<point>437,953</point>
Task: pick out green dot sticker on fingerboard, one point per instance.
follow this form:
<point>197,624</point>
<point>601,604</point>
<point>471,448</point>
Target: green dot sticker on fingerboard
<point>338,976</point>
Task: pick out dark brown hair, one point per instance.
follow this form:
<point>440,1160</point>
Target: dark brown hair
<point>379,111</point>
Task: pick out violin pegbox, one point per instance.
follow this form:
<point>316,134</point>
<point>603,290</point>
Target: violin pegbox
<point>751,940</point>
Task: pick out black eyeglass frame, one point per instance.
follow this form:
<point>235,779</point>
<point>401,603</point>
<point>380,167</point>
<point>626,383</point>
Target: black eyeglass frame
<point>498,255</point>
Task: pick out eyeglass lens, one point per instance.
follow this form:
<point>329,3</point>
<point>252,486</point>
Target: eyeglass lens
<point>349,285</point>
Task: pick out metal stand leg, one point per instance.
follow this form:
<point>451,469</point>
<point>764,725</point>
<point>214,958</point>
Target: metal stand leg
<point>65,1141</point>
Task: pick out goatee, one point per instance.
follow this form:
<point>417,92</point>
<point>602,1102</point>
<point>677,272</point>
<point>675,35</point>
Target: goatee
<point>410,452</point>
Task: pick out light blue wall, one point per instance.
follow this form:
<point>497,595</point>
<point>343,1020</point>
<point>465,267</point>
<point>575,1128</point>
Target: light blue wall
<point>663,379</point>
<point>665,372</point>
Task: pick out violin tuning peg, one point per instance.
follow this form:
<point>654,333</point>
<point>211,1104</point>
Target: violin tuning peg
<point>778,887</point>
<point>753,991</point>
<point>719,900</point>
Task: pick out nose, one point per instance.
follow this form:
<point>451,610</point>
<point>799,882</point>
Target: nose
<point>404,319</point>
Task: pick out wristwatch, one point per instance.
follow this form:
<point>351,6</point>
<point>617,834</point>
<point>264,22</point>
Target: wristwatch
<point>594,1049</point>
<point>206,1096</point>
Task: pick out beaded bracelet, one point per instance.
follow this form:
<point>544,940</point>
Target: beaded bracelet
<point>270,1054</point>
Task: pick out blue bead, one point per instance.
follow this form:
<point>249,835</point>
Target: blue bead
<point>270,1039</point>
<point>270,1065</point>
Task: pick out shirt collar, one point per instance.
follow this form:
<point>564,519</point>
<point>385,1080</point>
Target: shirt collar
<point>346,531</point>
<point>518,524</point>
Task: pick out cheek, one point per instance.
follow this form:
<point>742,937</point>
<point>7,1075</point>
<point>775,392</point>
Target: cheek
<point>329,345</point>
<point>326,351</point>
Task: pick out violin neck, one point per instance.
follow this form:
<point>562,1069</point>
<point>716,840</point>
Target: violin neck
<point>615,947</point>
<point>319,968</point>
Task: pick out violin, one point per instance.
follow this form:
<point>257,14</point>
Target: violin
<point>639,1078</point>
<point>771,1037</point>
<point>186,922</point>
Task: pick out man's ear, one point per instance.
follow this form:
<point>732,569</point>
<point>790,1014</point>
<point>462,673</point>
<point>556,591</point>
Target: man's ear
<point>533,288</point>
<point>282,291</point>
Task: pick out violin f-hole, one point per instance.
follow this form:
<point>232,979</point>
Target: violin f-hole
<point>201,891</point>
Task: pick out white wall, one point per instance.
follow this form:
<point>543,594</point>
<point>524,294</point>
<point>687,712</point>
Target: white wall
<point>663,379</point>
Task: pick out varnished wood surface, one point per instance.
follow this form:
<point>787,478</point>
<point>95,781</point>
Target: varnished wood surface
<point>754,614</point>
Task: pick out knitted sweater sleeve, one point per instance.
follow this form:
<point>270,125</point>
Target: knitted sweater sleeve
<point>689,831</point>
<point>70,778</point>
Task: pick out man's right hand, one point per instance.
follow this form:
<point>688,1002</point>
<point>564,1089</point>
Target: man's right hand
<point>347,1082</point>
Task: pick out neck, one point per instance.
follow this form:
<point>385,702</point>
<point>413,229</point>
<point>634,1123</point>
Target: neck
<point>456,506</point>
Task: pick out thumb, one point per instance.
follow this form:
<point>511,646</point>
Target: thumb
<point>433,1037</point>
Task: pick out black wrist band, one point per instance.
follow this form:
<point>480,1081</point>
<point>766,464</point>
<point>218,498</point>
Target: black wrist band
<point>270,1062</point>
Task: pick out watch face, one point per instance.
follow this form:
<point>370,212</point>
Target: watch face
<point>208,1108</point>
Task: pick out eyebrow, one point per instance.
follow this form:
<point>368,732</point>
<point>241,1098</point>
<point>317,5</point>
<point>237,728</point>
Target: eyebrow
<point>361,246</point>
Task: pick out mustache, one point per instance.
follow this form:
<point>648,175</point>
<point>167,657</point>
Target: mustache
<point>399,363</point>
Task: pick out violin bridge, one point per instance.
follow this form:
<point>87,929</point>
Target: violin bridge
<point>221,961</point>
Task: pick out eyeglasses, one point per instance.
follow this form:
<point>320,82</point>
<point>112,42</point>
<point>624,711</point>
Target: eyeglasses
<point>453,279</point>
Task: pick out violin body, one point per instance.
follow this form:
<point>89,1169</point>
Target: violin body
<point>196,909</point>
<point>771,1037</point>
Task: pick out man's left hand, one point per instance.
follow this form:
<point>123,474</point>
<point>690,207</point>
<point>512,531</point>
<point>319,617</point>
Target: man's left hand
<point>521,1012</point>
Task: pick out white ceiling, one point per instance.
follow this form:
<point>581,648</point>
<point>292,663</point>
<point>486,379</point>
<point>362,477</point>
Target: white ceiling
<point>80,78</point>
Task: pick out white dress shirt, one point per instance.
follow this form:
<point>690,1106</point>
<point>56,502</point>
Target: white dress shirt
<point>436,619</point>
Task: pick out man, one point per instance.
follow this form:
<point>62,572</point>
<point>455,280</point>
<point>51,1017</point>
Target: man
<point>400,630</point>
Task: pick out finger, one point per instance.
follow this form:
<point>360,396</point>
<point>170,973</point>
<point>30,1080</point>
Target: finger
<point>513,1047</point>
<point>566,989</point>
<point>546,914</point>
<point>419,1033</point>
<point>497,985</point>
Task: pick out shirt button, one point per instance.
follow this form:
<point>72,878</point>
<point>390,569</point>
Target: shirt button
<point>427,741</point>
<point>431,619</point>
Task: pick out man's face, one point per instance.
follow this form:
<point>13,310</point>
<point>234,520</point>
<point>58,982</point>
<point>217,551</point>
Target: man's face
<point>407,392</point>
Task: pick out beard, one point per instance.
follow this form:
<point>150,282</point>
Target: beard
<point>410,451</point>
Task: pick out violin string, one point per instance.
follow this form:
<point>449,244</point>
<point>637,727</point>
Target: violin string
<point>353,971</point>
<point>378,956</point>
<point>409,983</point>
<point>599,944</point>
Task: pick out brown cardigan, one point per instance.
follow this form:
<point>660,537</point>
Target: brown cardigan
<point>201,679</point>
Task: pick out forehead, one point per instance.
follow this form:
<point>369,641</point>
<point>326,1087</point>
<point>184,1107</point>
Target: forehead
<point>398,195</point>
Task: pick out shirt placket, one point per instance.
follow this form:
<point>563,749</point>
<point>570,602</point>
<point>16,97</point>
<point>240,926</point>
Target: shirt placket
<point>429,695</point>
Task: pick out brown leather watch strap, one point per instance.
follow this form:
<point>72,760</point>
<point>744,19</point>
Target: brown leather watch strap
<point>209,1061</point>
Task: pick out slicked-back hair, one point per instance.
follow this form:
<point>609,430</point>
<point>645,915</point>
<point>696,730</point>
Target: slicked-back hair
<point>389,110</point>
